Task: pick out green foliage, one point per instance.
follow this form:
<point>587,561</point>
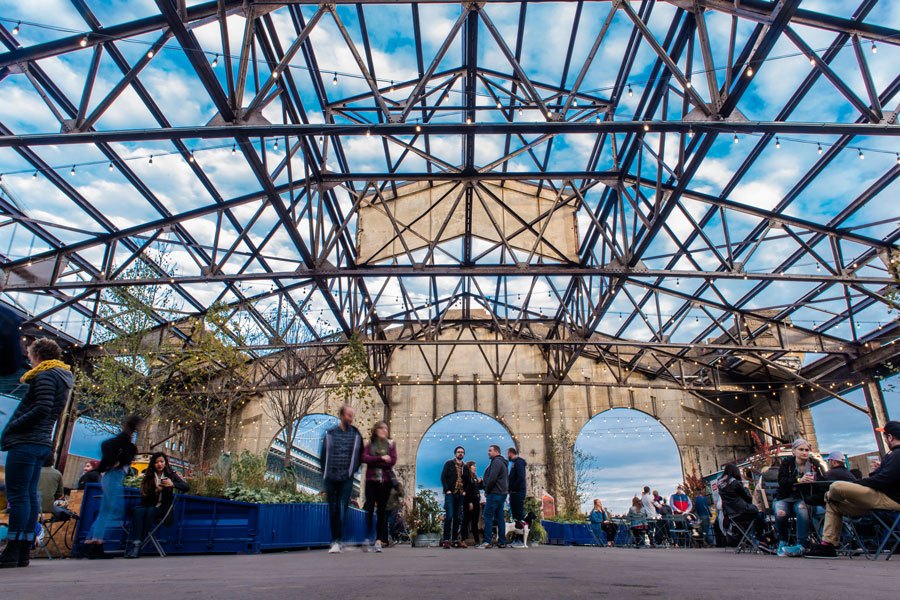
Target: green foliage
<point>250,482</point>
<point>424,516</point>
<point>352,373</point>
<point>211,486</point>
<point>536,534</point>
<point>134,481</point>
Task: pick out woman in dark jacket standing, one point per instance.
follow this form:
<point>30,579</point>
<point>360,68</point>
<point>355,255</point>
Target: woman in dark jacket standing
<point>157,494</point>
<point>28,439</point>
<point>380,456</point>
<point>799,468</point>
<point>737,503</point>
<point>117,454</point>
<point>471,505</point>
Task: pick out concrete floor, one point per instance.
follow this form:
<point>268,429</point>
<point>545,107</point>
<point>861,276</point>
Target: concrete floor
<point>548,572</point>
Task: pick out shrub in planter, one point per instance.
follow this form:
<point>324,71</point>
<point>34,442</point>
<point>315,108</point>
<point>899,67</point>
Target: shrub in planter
<point>536,534</point>
<point>424,516</point>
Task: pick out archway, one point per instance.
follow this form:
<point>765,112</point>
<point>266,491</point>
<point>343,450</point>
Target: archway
<point>305,451</point>
<point>474,431</point>
<point>625,450</point>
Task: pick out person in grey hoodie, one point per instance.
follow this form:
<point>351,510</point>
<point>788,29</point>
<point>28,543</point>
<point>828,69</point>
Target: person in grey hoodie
<point>342,452</point>
<point>28,439</point>
<point>496,486</point>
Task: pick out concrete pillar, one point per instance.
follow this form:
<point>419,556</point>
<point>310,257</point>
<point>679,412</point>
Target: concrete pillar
<point>877,408</point>
<point>790,410</point>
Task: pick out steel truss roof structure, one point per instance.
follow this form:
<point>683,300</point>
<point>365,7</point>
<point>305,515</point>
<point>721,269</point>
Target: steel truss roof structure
<point>630,124</point>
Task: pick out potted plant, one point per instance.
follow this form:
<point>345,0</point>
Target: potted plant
<point>424,518</point>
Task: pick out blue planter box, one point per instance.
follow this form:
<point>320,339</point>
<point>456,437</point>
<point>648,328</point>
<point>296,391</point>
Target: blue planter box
<point>286,526</point>
<point>216,526</point>
<point>579,534</point>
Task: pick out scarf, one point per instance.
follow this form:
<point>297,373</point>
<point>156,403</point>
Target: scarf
<point>380,447</point>
<point>44,366</point>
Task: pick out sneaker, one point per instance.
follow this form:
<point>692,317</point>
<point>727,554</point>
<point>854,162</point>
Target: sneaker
<point>517,545</point>
<point>794,551</point>
<point>461,544</point>
<point>335,548</point>
<point>378,546</point>
<point>502,546</point>
<point>445,544</point>
<point>484,546</point>
<point>822,551</point>
<point>781,548</point>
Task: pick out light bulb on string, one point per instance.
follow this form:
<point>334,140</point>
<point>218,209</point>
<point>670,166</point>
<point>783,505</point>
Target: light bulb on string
<point>276,143</point>
<point>83,42</point>
<point>630,91</point>
<point>17,28</point>
<point>819,148</point>
<point>735,138</point>
<point>874,48</point>
<point>234,149</point>
<point>334,80</point>
<point>777,142</point>
<point>34,176</point>
<point>110,167</point>
<point>72,172</point>
<point>215,61</point>
<point>860,154</point>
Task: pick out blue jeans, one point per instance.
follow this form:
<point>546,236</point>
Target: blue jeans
<point>493,516</point>
<point>453,515</point>
<point>338,494</point>
<point>517,506</point>
<point>112,506</point>
<point>23,470</point>
<point>707,532</point>
<point>783,510</point>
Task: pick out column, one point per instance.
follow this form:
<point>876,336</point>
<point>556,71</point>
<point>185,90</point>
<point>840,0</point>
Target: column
<point>877,408</point>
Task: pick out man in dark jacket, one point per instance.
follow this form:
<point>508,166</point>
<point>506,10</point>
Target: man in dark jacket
<point>878,491</point>
<point>454,479</point>
<point>837,470</point>
<point>516,486</point>
<point>496,487</point>
<point>342,451</point>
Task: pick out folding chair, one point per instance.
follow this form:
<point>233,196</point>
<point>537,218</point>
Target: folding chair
<point>889,523</point>
<point>152,535</point>
<point>680,532</point>
<point>747,541</point>
<point>53,527</point>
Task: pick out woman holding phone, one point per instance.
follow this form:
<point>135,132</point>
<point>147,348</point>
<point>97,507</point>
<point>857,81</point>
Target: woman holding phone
<point>798,468</point>
<point>157,493</point>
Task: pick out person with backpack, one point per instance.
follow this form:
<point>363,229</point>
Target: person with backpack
<point>28,441</point>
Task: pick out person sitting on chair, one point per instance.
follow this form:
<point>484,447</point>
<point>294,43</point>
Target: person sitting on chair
<point>89,474</point>
<point>798,468</point>
<point>737,503</point>
<point>637,520</point>
<point>600,521</point>
<point>878,491</point>
<point>157,494</point>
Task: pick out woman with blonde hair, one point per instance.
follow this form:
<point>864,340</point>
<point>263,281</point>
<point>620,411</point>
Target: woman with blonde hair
<point>600,522</point>
<point>379,455</point>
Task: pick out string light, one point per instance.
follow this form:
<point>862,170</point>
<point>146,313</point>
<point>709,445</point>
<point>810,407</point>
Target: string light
<point>34,176</point>
<point>110,166</point>
<point>819,148</point>
<point>874,48</point>
<point>749,72</point>
<point>334,80</point>
<point>150,162</point>
<point>72,172</point>
<point>777,142</point>
<point>735,138</point>
<point>215,61</point>
<point>17,28</point>
<point>276,143</point>
<point>646,126</point>
<point>630,91</point>
<point>234,149</point>
<point>83,42</point>
<point>860,154</point>
<point>150,54</point>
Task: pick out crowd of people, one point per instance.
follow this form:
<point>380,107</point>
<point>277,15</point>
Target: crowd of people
<point>344,451</point>
<point>803,486</point>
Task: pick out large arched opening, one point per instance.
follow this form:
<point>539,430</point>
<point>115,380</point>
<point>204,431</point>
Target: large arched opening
<point>622,450</point>
<point>472,430</point>
<point>305,452</point>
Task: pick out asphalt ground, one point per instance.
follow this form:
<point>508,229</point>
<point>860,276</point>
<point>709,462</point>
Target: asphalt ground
<point>545,572</point>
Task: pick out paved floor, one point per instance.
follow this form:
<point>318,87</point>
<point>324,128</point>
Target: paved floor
<point>548,572</point>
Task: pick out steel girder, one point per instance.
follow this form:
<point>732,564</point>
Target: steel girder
<point>648,218</point>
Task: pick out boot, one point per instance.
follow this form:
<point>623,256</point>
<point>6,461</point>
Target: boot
<point>133,550</point>
<point>10,556</point>
<point>25,553</point>
<point>95,552</point>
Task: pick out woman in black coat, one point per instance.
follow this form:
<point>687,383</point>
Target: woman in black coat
<point>800,467</point>
<point>157,494</point>
<point>28,440</point>
<point>737,503</point>
<point>471,505</point>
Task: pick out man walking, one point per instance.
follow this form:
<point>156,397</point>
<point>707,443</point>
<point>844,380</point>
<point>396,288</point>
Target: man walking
<point>878,491</point>
<point>517,490</point>
<point>496,487</point>
<point>341,457</point>
<point>454,478</point>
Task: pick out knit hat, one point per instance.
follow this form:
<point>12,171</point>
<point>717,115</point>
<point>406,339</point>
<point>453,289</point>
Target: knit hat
<point>799,442</point>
